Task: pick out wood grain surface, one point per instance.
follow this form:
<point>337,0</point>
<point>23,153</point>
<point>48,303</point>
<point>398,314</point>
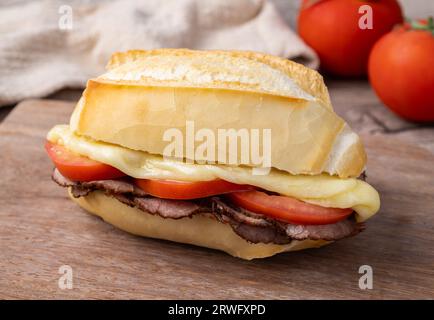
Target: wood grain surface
<point>41,230</point>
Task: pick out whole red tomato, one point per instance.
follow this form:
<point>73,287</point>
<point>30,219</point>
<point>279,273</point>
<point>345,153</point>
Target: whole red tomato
<point>331,28</point>
<point>401,71</point>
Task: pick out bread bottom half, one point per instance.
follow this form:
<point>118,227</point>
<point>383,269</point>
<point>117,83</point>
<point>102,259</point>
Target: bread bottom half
<point>198,230</point>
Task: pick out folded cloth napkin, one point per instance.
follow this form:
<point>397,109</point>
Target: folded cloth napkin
<point>51,44</point>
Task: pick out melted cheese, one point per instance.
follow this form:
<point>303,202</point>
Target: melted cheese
<point>324,190</point>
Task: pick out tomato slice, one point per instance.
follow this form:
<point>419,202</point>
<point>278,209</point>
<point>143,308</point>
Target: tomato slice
<point>79,168</point>
<point>185,190</point>
<point>288,209</point>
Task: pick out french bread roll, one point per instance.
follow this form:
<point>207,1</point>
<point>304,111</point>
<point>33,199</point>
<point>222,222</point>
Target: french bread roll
<point>198,230</point>
<point>144,93</point>
<point>123,115</point>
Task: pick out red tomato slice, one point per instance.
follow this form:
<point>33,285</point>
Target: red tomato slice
<point>288,209</point>
<point>78,168</point>
<point>185,190</point>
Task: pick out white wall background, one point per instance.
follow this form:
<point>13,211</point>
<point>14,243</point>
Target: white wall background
<point>412,9</point>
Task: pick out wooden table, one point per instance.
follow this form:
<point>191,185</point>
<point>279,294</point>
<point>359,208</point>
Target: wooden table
<point>41,229</point>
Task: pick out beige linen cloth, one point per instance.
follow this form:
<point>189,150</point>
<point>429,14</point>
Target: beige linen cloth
<point>48,45</point>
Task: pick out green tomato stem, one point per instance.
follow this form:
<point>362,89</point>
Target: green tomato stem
<point>429,26</point>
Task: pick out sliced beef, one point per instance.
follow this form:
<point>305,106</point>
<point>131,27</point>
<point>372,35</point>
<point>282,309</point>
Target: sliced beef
<point>256,234</point>
<point>338,230</point>
<point>80,189</point>
<point>239,214</point>
<point>253,227</point>
<point>166,208</point>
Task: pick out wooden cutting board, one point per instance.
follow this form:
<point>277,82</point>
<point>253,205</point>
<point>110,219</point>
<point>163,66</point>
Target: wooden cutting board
<point>42,230</point>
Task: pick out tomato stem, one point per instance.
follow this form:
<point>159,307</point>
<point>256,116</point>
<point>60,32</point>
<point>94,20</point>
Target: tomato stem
<point>417,25</point>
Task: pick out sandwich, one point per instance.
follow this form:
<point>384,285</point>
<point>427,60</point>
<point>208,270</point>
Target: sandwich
<point>236,151</point>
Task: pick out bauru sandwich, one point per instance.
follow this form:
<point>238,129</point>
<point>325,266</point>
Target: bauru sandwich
<point>236,151</point>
